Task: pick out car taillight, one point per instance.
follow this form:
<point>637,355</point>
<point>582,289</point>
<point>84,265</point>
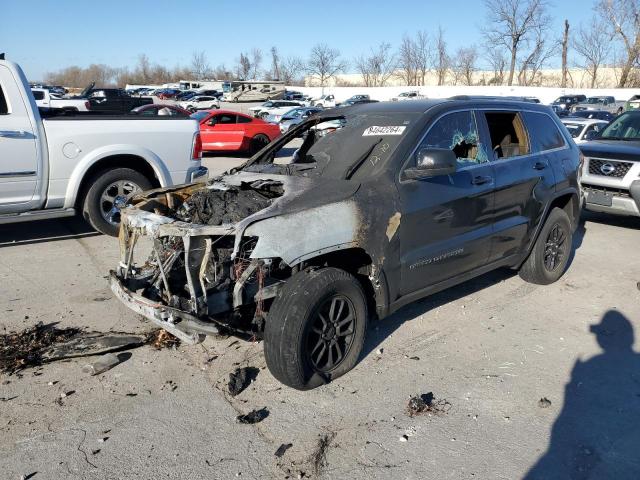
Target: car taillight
<point>87,105</point>
<point>196,153</point>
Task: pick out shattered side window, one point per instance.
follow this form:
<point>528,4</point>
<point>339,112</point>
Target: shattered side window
<point>458,132</point>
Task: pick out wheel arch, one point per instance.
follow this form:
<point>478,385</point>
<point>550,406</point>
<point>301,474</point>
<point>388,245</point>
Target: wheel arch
<point>81,183</point>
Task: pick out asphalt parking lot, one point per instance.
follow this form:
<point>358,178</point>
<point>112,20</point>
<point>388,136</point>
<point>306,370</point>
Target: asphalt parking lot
<point>488,351</point>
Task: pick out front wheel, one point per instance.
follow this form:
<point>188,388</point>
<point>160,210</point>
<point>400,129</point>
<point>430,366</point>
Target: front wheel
<point>108,192</point>
<point>316,328</point>
<point>550,254</point>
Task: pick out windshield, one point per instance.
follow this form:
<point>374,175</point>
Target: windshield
<point>353,145</point>
<point>592,100</point>
<point>560,100</point>
<point>625,127</point>
<point>199,116</point>
<point>574,129</point>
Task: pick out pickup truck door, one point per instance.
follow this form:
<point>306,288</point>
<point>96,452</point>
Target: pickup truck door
<point>447,220</point>
<point>18,150</point>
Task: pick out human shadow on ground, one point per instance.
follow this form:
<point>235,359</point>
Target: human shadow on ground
<point>597,434</point>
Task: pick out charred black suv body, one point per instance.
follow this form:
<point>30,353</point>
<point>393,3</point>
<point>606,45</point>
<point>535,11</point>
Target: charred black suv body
<point>392,202</point>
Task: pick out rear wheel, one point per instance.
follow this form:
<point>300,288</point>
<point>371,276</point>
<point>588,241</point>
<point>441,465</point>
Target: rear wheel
<point>549,257</point>
<point>108,192</point>
<point>258,143</point>
<point>316,328</point>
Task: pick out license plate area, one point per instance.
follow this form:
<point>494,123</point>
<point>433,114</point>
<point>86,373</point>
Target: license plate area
<point>599,198</point>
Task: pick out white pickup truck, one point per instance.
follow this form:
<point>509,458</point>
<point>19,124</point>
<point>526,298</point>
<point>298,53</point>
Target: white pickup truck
<point>55,167</point>
<point>44,100</point>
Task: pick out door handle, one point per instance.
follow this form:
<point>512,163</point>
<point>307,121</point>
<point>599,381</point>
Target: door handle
<point>539,166</point>
<point>13,133</point>
<point>481,179</point>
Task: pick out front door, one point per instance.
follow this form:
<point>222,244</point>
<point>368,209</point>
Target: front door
<point>446,224</point>
<point>18,152</point>
<point>222,133</point>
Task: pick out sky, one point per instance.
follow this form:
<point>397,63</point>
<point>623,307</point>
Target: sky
<point>46,36</point>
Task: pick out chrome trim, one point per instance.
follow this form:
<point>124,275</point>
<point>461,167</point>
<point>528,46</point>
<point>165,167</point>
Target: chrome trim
<point>29,173</point>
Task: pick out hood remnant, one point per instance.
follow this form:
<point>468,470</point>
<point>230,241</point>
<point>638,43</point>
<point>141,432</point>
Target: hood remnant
<point>229,204</point>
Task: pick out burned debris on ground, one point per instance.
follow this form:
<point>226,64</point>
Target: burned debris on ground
<point>210,206</point>
<point>45,343</point>
<point>254,416</point>
<point>426,404</point>
<point>160,339</point>
<point>241,378</point>
<point>282,449</point>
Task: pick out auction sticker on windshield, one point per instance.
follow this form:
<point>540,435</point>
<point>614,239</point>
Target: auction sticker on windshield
<point>388,130</point>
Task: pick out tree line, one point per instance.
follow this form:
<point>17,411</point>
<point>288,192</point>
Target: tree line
<point>518,41</point>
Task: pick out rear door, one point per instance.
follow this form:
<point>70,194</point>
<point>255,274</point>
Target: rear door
<point>524,175</point>
<point>446,225</point>
<point>18,150</point>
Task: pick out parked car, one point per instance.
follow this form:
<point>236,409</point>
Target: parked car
<point>45,100</point>
<point>606,103</point>
<point>227,130</point>
<point>160,109</point>
<point>256,93</point>
<point>565,102</point>
<point>354,99</point>
<point>594,114</point>
<point>168,94</point>
<point>633,103</point>
<point>292,95</point>
<point>111,100</point>
<point>611,170</point>
<point>403,201</point>
<point>59,166</point>
<point>200,102</point>
<point>580,128</point>
<point>412,95</point>
<point>295,116</point>
<point>270,106</point>
<point>324,101</point>
<point>350,102</point>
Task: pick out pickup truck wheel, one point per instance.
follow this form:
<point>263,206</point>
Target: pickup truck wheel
<point>316,328</point>
<point>258,143</point>
<point>550,254</point>
<point>108,190</point>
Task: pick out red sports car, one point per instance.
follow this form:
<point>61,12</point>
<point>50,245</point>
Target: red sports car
<point>228,130</point>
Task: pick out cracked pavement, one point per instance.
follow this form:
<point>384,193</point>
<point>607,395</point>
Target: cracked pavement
<point>492,347</point>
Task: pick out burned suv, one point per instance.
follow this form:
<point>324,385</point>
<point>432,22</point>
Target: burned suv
<point>327,229</point>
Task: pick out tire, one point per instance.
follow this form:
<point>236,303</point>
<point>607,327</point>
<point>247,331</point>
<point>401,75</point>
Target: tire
<point>258,143</point>
<point>108,184</point>
<point>550,254</point>
<point>293,328</point>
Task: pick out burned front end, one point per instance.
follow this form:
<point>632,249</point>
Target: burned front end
<point>199,260</point>
<point>184,266</point>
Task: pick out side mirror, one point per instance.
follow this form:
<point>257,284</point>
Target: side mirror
<point>432,162</point>
<point>590,135</point>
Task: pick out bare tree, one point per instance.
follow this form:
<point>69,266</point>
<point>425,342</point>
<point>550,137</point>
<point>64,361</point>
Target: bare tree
<point>592,46</point>
<point>243,67</point>
<point>275,64</point>
<point>423,55</point>
<point>377,67</point>
<point>200,67</point>
<point>407,62</point>
<point>498,63</point>
<point>464,65</point>
<point>513,22</point>
<point>441,61</point>
<point>222,73</point>
<point>623,20</point>
<point>538,56</point>
<point>292,71</point>
<point>324,63</point>
<point>256,61</point>
<point>565,49</point>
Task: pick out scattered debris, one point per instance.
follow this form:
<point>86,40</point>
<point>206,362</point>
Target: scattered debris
<point>379,351</point>
<point>638,285</point>
<point>282,449</point>
<point>106,362</point>
<point>403,438</point>
<point>254,416</point>
<point>103,439</point>
<point>319,455</point>
<point>424,403</point>
<point>160,339</point>
<point>544,402</point>
<point>241,378</point>
<point>7,399</point>
<point>27,477</point>
<point>95,452</point>
<point>171,385</point>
